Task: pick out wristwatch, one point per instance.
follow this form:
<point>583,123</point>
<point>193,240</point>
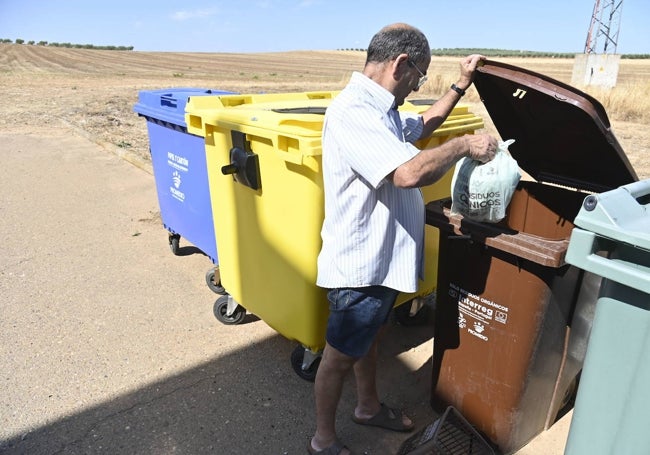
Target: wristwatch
<point>457,89</point>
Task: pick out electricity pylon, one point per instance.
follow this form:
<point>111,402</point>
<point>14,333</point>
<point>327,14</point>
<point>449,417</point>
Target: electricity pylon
<point>605,24</point>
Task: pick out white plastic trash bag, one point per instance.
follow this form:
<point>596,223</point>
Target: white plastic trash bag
<point>482,191</point>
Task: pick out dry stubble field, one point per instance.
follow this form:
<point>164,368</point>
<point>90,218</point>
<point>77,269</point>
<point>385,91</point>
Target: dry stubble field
<point>94,91</point>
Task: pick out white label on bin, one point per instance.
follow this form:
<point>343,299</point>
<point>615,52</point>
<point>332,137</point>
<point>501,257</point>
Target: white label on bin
<point>179,164</point>
<point>476,312</point>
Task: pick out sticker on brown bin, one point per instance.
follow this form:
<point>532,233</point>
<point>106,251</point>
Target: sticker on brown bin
<point>476,313</point>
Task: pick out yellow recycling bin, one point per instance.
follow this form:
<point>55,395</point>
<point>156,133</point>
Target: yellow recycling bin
<point>263,154</point>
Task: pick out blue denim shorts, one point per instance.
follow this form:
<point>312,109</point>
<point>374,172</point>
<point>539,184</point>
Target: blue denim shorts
<point>356,315</point>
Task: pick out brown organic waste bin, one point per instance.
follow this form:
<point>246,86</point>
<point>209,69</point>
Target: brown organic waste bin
<point>512,318</point>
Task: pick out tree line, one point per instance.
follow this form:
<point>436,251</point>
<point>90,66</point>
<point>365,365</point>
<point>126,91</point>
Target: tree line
<point>442,52</point>
<point>68,45</point>
<point>462,52</point>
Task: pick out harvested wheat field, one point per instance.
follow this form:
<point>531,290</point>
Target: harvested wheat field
<point>94,91</point>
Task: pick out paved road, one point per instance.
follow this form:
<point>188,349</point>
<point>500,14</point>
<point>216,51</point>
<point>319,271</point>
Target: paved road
<point>108,342</point>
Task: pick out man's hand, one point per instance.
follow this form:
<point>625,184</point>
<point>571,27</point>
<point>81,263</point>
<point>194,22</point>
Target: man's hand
<point>468,66</point>
<point>481,147</point>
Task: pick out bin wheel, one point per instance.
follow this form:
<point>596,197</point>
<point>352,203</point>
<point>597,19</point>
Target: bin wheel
<point>213,279</point>
<point>308,373</point>
<point>221,312</point>
<point>569,398</point>
<point>174,241</point>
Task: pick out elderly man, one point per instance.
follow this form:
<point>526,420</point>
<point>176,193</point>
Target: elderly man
<point>373,232</point>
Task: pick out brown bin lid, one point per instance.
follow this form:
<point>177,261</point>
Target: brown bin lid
<point>562,135</point>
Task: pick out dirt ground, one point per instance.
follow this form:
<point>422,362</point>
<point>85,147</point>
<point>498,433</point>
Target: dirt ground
<point>108,340</point>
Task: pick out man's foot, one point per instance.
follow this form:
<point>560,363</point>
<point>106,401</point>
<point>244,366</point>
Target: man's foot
<point>388,418</point>
<point>337,448</point>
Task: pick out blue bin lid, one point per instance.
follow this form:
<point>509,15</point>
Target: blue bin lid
<point>168,104</point>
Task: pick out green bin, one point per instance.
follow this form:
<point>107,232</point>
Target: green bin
<point>612,239</point>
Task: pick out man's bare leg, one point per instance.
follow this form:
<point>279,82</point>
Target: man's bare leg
<point>333,368</point>
<point>365,372</point>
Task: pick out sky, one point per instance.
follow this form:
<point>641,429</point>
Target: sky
<point>285,25</point>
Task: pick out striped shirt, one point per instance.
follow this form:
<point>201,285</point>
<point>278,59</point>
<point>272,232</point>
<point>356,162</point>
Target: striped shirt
<point>373,232</point>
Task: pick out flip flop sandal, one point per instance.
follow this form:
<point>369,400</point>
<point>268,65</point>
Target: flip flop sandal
<point>387,418</point>
<point>334,449</point>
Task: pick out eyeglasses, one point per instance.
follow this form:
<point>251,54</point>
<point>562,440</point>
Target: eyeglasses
<point>423,77</point>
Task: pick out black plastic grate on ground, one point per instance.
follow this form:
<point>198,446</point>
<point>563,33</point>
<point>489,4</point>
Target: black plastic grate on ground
<point>451,434</point>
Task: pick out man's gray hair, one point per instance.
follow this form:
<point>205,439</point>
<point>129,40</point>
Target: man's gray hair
<point>396,39</point>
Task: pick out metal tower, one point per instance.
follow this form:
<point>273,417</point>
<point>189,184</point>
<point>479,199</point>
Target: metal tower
<point>605,23</point>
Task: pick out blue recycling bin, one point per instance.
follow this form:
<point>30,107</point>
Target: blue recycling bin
<point>179,167</point>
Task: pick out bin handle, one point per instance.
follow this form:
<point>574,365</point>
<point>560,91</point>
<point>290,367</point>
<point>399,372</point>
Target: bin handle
<point>287,148</point>
<point>168,101</point>
<point>583,252</point>
<point>638,189</point>
<point>460,237</point>
<point>623,272</point>
<point>295,158</point>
